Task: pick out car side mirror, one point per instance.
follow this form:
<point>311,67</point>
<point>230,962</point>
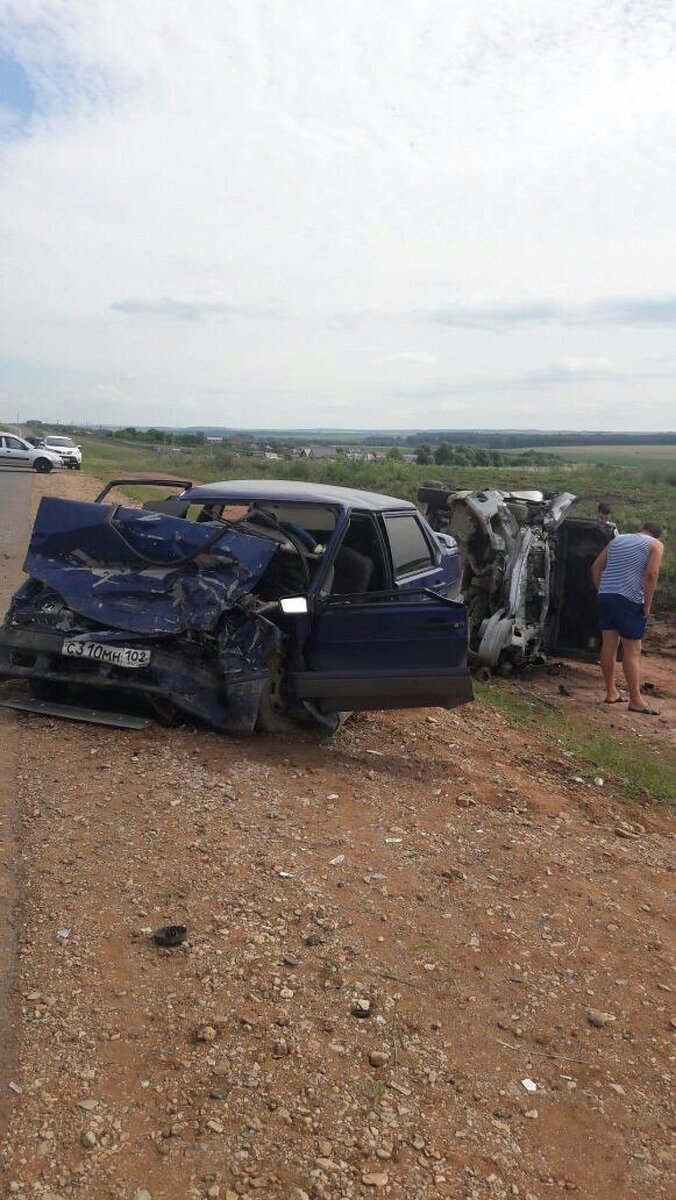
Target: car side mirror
<point>294,606</point>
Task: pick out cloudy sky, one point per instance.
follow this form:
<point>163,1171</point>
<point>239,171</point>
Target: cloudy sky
<point>365,213</point>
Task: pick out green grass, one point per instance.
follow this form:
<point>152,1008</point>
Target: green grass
<point>635,495</point>
<point>620,455</point>
<point>635,770</point>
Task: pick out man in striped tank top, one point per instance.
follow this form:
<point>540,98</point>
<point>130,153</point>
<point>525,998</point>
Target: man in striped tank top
<point>625,575</point>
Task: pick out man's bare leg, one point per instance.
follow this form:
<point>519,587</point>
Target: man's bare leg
<point>631,665</point>
<point>610,640</point>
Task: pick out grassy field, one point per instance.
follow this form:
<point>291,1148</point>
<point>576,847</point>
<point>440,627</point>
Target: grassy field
<point>646,457</point>
<point>635,493</point>
<point>635,770</point>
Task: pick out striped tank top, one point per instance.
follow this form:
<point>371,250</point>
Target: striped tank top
<point>625,566</point>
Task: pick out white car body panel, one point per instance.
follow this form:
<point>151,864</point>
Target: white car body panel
<point>19,454</point>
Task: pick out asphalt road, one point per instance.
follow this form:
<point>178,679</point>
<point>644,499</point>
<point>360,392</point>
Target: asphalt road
<point>15,494</point>
<point>15,498</point>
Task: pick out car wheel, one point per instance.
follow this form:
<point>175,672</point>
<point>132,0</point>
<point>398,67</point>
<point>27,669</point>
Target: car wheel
<point>78,466</point>
<point>272,707</point>
<point>43,466</point>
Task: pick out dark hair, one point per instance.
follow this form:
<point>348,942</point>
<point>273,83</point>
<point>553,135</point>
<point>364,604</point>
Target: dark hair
<point>652,528</point>
<point>604,508</point>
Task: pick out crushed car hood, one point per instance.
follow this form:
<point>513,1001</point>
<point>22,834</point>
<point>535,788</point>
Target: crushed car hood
<point>142,571</point>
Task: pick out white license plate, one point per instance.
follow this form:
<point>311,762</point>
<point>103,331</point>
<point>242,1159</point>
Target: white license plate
<point>115,656</point>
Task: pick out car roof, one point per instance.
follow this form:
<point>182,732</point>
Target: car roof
<point>288,490</point>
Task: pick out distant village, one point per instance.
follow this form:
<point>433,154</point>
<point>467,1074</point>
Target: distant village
<point>348,453</point>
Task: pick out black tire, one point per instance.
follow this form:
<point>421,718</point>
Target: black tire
<point>78,466</point>
<point>43,466</point>
<point>272,707</point>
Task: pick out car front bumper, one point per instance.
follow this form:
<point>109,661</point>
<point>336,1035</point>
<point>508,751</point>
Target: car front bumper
<point>195,685</point>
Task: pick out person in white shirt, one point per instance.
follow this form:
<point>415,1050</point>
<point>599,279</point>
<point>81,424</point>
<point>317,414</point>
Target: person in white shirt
<point>625,575</point>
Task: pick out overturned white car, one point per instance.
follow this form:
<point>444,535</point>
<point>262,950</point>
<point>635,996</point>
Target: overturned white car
<point>526,574</point>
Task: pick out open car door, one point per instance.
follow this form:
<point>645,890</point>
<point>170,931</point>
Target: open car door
<point>572,625</point>
<point>397,649</point>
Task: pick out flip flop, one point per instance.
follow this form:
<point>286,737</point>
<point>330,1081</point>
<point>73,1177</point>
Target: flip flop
<point>646,712</point>
<point>620,700</point>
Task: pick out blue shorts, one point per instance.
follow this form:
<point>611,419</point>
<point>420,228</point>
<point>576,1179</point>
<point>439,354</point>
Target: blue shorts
<point>623,615</point>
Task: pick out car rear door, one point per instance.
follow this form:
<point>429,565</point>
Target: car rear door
<point>14,452</point>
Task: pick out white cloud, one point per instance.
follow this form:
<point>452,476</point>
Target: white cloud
<point>417,357</point>
<point>231,212</point>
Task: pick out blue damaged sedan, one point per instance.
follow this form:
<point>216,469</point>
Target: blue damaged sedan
<point>244,604</point>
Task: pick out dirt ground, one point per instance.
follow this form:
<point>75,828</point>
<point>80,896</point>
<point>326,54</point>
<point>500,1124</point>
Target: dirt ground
<point>391,933</point>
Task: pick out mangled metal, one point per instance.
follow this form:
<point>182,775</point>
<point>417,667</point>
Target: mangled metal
<point>187,615</point>
<point>526,567</point>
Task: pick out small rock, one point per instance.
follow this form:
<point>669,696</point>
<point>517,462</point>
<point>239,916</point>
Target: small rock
<point>215,1126</point>
<point>335,862</point>
<point>362,1009</point>
<point>465,801</point>
<point>205,1033</point>
<point>378,1058</point>
<point>142,1194</point>
<point>280,1048</point>
<point>290,960</point>
<point>296,1194</point>
<point>87,1105</point>
<point>617,1087</point>
<point>624,831</point>
<point>88,1139</point>
<point>532,1114</point>
<point>375,1179</point>
<point>286,993</point>
<point>213,1192</point>
<point>599,1019</point>
<point>314,939</point>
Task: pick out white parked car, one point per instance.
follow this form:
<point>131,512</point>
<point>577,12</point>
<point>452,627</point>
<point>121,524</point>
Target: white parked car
<point>67,449</point>
<point>16,452</point>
